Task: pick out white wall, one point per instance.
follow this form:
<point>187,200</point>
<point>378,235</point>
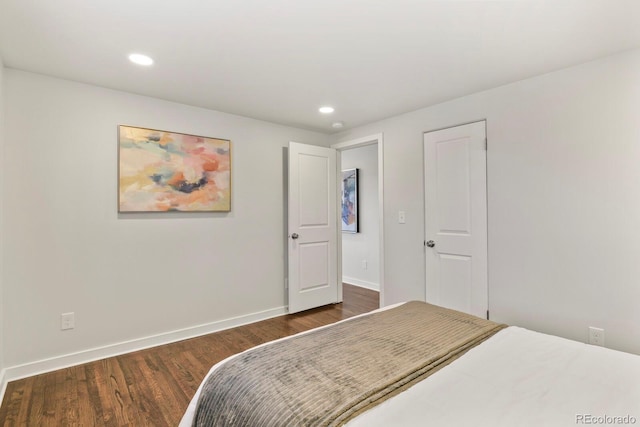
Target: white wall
<point>1,215</point>
<point>563,198</point>
<point>364,245</point>
<point>132,275</point>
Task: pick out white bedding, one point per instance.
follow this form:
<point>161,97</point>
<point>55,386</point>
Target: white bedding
<point>515,378</point>
<point>519,378</point>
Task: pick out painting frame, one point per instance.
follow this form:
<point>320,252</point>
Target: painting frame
<point>166,171</point>
<point>349,201</point>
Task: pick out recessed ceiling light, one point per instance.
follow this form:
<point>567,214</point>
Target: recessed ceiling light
<point>337,125</point>
<point>140,59</point>
<point>326,110</point>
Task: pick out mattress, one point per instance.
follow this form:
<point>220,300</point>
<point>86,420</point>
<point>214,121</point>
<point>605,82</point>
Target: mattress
<point>516,377</point>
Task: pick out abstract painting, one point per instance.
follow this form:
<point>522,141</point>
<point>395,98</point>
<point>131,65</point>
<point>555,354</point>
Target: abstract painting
<point>163,171</point>
<point>350,200</point>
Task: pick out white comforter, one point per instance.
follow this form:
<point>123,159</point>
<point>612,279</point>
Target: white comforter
<point>516,378</point>
<point>520,378</point>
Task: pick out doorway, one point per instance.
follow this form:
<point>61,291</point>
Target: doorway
<point>360,245</point>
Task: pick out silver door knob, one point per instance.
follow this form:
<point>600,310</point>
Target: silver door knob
<point>294,236</point>
<point>431,243</point>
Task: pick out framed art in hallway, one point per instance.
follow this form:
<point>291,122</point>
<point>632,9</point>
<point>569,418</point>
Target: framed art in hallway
<point>160,171</point>
<point>349,201</point>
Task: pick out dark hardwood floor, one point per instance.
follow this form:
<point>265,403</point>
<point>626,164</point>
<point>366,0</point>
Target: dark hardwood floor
<point>153,387</point>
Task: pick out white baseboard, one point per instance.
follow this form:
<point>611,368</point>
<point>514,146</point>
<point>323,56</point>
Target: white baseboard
<point>361,283</point>
<point>17,372</point>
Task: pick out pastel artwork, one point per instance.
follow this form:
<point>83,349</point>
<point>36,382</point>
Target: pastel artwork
<point>166,171</point>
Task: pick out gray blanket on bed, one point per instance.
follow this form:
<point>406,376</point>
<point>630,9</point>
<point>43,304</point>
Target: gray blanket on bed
<point>328,376</point>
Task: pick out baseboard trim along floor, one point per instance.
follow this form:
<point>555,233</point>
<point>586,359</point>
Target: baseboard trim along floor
<point>17,372</point>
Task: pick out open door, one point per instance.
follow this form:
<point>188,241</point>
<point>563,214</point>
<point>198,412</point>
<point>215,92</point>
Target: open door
<point>312,234</point>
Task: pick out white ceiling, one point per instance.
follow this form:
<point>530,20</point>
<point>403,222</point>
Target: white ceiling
<point>279,60</point>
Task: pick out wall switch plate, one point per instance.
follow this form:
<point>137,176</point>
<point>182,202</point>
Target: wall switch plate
<point>67,321</point>
<point>401,217</point>
<point>596,336</point>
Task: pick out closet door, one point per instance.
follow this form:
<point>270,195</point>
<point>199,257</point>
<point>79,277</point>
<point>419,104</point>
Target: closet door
<point>455,162</point>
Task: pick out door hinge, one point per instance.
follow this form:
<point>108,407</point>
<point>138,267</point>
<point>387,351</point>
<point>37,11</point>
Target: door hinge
<point>487,314</point>
<point>485,144</point>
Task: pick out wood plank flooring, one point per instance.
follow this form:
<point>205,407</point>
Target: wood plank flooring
<point>153,387</point>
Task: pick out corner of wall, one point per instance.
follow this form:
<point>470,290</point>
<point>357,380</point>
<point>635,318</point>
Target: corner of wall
<point>2,370</point>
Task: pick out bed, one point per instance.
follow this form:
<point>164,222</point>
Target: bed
<point>419,364</point>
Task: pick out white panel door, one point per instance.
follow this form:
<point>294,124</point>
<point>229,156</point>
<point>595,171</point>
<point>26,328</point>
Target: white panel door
<point>455,162</point>
<point>313,216</point>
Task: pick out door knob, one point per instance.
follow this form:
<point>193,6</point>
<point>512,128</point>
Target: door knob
<point>294,236</point>
<point>431,243</point>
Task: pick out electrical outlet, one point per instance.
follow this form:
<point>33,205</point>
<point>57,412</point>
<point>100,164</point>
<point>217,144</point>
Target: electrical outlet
<point>401,217</point>
<point>596,336</point>
<point>67,321</point>
<point>364,264</point>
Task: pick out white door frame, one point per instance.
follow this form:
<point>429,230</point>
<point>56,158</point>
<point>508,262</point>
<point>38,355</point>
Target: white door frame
<point>356,143</point>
